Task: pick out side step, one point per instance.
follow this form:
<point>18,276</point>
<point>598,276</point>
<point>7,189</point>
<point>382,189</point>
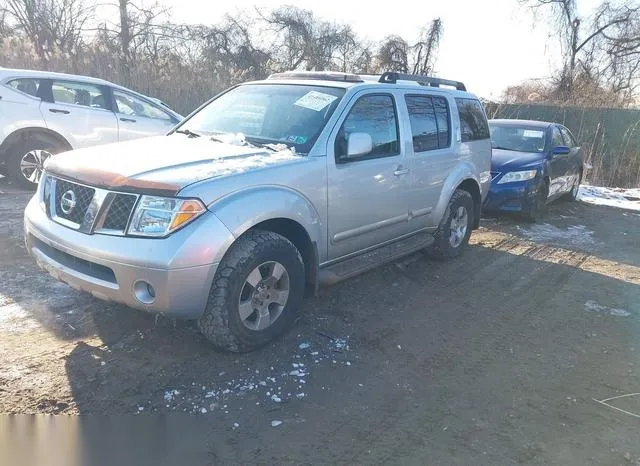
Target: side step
<point>369,260</point>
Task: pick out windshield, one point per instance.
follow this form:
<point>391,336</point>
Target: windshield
<point>269,113</point>
<point>518,138</point>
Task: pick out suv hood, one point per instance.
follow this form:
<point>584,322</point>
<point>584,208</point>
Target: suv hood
<point>161,164</point>
<point>509,160</point>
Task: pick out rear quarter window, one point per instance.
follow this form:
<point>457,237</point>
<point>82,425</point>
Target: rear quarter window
<point>473,120</point>
<point>28,86</point>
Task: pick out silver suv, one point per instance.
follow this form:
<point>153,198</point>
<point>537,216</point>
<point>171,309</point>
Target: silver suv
<point>43,113</point>
<point>266,192</point>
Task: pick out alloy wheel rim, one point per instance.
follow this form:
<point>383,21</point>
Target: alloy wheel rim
<point>264,296</point>
<point>32,164</point>
<point>458,227</point>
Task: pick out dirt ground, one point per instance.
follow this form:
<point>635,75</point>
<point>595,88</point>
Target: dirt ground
<point>494,358</point>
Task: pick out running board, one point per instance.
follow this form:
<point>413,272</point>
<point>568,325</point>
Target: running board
<point>369,260</point>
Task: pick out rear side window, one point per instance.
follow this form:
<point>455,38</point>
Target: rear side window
<point>131,105</point>
<point>27,85</point>
<point>473,121</point>
<point>568,137</point>
<point>429,117</point>
<point>375,115</point>
<point>76,93</point>
<point>556,137</point>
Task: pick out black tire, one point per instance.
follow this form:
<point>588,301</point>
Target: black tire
<point>539,209</point>
<point>221,322</point>
<point>442,248</point>
<point>573,194</point>
<point>18,150</point>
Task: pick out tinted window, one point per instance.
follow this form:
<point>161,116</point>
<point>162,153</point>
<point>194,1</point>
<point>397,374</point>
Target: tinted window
<point>27,85</point>
<point>375,115</point>
<point>442,117</point>
<point>86,95</point>
<point>473,121</point>
<point>131,105</point>
<point>568,138</point>
<point>429,117</point>
<point>556,137</point>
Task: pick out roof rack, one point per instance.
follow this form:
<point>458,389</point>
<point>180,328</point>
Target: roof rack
<point>392,77</point>
<point>318,75</point>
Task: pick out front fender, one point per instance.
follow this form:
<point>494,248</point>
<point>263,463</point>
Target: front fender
<point>242,210</point>
<point>459,175</point>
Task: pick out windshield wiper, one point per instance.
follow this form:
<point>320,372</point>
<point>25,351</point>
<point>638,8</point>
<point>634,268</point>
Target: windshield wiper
<point>501,148</point>
<point>188,132</point>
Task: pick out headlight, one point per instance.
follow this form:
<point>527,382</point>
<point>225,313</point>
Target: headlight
<point>512,177</point>
<point>159,216</point>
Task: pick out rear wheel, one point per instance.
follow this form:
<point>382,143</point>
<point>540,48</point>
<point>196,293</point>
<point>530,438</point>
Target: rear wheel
<point>452,236</point>
<point>26,161</point>
<point>256,293</point>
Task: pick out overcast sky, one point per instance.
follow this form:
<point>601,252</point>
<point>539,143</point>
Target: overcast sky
<point>488,44</point>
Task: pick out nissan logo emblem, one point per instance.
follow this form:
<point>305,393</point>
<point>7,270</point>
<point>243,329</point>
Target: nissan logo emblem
<point>68,202</point>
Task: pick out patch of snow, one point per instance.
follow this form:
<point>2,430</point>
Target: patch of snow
<point>613,197</point>
<point>203,410</point>
<point>16,319</point>
<point>592,306</point>
<point>276,398</point>
<point>304,345</point>
<point>170,394</point>
<point>574,235</point>
<point>275,423</point>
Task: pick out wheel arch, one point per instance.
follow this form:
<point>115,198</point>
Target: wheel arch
<point>282,211</point>
<point>23,134</point>
<point>472,187</point>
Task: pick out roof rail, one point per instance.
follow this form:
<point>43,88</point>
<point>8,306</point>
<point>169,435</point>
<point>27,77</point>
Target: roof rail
<point>318,75</point>
<point>392,77</point>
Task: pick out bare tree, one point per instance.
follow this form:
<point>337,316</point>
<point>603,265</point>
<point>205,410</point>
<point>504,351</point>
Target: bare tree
<point>590,49</point>
<point>52,26</point>
<point>426,48</point>
<point>393,55</point>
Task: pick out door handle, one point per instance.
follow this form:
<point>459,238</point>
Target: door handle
<point>128,120</point>
<point>57,110</point>
<point>401,171</point>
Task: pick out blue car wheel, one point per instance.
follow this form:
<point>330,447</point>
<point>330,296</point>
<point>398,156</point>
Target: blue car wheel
<point>539,205</point>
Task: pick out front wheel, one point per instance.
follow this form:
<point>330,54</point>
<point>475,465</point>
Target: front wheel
<point>452,236</point>
<point>256,293</point>
<point>573,194</point>
<point>538,208</point>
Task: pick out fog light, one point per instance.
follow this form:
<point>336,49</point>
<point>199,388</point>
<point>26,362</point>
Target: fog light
<point>144,291</point>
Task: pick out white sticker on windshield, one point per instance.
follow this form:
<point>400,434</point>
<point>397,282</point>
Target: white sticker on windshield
<point>315,100</point>
<point>531,133</point>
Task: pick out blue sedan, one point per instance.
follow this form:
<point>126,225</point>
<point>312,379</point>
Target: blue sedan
<point>533,163</point>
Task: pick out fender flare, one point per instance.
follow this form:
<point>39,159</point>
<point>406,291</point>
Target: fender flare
<point>271,206</point>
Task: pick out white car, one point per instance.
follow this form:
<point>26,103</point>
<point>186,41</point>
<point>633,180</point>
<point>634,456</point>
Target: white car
<point>43,113</point>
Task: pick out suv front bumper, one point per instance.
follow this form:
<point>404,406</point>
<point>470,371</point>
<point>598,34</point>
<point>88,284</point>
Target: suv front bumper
<point>179,268</point>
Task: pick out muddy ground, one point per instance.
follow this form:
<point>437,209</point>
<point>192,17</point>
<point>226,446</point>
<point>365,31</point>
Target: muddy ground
<point>495,358</point>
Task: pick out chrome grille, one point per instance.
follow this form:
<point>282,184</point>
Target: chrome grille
<point>81,195</point>
<point>94,210</point>
<point>119,212</point>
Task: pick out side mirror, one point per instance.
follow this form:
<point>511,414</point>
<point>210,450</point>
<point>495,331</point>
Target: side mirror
<point>359,144</point>
<point>560,150</point>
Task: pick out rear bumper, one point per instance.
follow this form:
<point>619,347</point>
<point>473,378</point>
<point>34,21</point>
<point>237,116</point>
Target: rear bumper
<point>179,268</point>
<point>511,197</point>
